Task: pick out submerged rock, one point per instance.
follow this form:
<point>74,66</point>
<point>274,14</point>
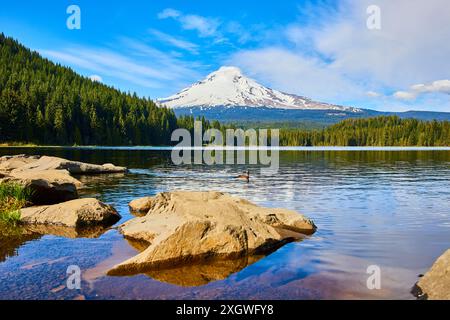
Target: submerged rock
<point>435,284</point>
<point>185,228</point>
<point>76,213</point>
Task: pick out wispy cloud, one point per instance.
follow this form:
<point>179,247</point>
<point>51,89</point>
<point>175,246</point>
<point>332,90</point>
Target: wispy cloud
<point>404,95</point>
<point>137,63</point>
<point>438,86</point>
<point>224,32</point>
<point>176,42</point>
<point>106,63</point>
<point>373,94</point>
<point>206,27</point>
<point>169,13</point>
<point>243,34</point>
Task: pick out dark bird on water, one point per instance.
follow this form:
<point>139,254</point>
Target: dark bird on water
<point>245,176</point>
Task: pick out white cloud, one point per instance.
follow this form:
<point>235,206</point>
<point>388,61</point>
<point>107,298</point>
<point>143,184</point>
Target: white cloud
<point>96,78</point>
<point>206,27</point>
<point>179,43</point>
<point>293,72</point>
<point>373,94</point>
<point>231,32</point>
<point>438,86</point>
<point>169,13</point>
<point>411,47</point>
<point>404,95</point>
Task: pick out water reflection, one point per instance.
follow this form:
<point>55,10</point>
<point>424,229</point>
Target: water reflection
<point>12,238</point>
<point>91,232</point>
<point>201,274</point>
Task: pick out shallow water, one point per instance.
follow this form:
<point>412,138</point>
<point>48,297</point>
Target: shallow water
<point>384,208</point>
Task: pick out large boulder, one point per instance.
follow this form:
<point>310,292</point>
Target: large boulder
<point>435,284</point>
<point>74,167</point>
<point>48,187</point>
<point>195,227</point>
<point>76,213</point>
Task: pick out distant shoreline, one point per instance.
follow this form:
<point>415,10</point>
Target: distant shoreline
<point>281,148</point>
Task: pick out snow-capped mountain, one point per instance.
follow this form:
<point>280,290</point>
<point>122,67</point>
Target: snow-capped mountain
<point>228,87</point>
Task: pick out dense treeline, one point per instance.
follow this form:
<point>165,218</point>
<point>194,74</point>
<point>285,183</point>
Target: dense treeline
<point>379,131</point>
<point>45,103</point>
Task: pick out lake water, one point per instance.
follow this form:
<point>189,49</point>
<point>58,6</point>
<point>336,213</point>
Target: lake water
<point>390,209</point>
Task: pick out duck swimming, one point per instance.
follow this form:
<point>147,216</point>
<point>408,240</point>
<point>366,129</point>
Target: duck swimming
<point>245,176</point>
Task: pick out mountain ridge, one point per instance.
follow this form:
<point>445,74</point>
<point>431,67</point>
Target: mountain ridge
<point>227,95</point>
<point>228,87</point>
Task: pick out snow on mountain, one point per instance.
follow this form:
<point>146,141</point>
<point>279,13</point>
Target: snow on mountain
<point>228,87</point>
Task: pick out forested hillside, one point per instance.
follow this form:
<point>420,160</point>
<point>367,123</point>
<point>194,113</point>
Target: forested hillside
<point>379,131</point>
<point>45,103</point>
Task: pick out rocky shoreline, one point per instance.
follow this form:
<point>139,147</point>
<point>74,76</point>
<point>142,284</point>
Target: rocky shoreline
<point>55,192</point>
<point>178,229</point>
<point>208,235</point>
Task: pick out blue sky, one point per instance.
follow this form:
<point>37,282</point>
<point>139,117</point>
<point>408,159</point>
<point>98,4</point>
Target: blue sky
<point>322,49</point>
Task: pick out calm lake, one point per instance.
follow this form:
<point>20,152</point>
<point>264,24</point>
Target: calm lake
<point>385,208</point>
